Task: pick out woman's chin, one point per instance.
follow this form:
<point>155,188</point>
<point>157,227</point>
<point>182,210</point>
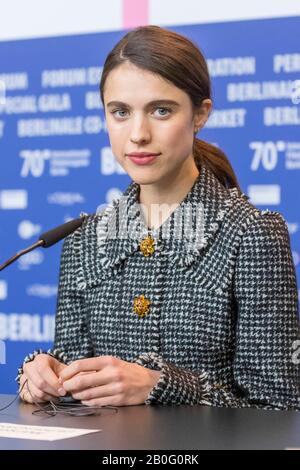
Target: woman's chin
<point>144,177</point>
<point>146,181</point>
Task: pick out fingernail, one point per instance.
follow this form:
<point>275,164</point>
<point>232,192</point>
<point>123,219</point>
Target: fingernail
<point>62,391</point>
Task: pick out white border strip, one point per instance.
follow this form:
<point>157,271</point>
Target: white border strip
<point>20,19</point>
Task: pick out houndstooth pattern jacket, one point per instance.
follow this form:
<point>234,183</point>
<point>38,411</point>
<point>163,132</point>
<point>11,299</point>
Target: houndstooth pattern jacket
<point>221,319</point>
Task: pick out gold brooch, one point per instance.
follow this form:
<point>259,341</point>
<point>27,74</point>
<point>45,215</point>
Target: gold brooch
<point>141,305</point>
<point>147,246</point>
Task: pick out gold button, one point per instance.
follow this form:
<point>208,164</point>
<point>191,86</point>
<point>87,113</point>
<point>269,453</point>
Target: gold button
<point>141,305</point>
<point>147,246</point>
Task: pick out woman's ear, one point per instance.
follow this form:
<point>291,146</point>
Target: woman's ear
<point>202,114</point>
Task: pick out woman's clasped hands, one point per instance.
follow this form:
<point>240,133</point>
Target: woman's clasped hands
<point>96,381</point>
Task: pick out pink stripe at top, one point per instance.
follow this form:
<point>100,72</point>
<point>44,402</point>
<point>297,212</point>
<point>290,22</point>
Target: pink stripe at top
<point>135,13</point>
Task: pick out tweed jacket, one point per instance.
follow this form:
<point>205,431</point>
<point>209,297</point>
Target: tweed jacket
<point>215,311</point>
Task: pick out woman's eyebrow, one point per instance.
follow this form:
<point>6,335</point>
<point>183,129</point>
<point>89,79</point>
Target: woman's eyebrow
<point>151,103</point>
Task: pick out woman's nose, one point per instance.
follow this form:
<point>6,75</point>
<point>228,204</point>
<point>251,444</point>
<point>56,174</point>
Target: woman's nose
<point>140,132</point>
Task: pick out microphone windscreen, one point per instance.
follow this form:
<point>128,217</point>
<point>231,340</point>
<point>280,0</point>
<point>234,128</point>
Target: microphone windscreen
<point>56,234</point>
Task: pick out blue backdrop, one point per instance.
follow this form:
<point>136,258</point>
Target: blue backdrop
<point>55,158</point>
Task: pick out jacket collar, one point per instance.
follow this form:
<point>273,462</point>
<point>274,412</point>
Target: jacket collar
<point>121,225</point>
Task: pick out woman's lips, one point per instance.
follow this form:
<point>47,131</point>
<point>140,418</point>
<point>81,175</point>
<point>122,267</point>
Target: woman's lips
<point>143,160</point>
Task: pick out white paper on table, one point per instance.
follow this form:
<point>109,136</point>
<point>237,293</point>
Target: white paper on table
<point>41,433</point>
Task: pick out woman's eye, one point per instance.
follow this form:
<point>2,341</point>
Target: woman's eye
<point>165,109</point>
<point>124,111</point>
<point>118,111</point>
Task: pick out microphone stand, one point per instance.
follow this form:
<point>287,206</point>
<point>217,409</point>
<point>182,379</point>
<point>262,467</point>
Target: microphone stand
<point>21,253</point>
<point>49,238</point>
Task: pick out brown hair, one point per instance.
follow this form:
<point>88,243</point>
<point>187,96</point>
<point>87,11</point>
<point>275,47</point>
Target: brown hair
<point>180,61</point>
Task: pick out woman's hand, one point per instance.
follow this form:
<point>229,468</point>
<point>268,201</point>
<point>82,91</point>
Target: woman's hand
<point>42,379</point>
<point>107,380</point>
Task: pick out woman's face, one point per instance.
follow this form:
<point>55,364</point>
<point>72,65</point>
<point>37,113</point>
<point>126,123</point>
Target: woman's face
<point>136,124</point>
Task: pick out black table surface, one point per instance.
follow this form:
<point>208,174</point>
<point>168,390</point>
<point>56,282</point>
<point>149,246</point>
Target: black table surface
<point>162,428</point>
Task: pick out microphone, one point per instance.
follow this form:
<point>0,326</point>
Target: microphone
<point>48,239</point>
<point>56,234</point>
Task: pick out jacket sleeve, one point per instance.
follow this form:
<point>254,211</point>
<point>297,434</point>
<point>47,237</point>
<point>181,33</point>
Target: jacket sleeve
<point>71,339</point>
<point>265,371</point>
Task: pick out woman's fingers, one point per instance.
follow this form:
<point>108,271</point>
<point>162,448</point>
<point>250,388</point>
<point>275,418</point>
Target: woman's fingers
<point>97,392</point>
<point>40,373</point>
<point>51,379</point>
<point>31,394</point>
<point>22,388</point>
<point>25,395</point>
<point>82,381</point>
<point>37,394</point>
<point>40,383</point>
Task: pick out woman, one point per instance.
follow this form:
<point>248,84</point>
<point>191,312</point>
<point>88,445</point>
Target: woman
<point>193,304</point>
